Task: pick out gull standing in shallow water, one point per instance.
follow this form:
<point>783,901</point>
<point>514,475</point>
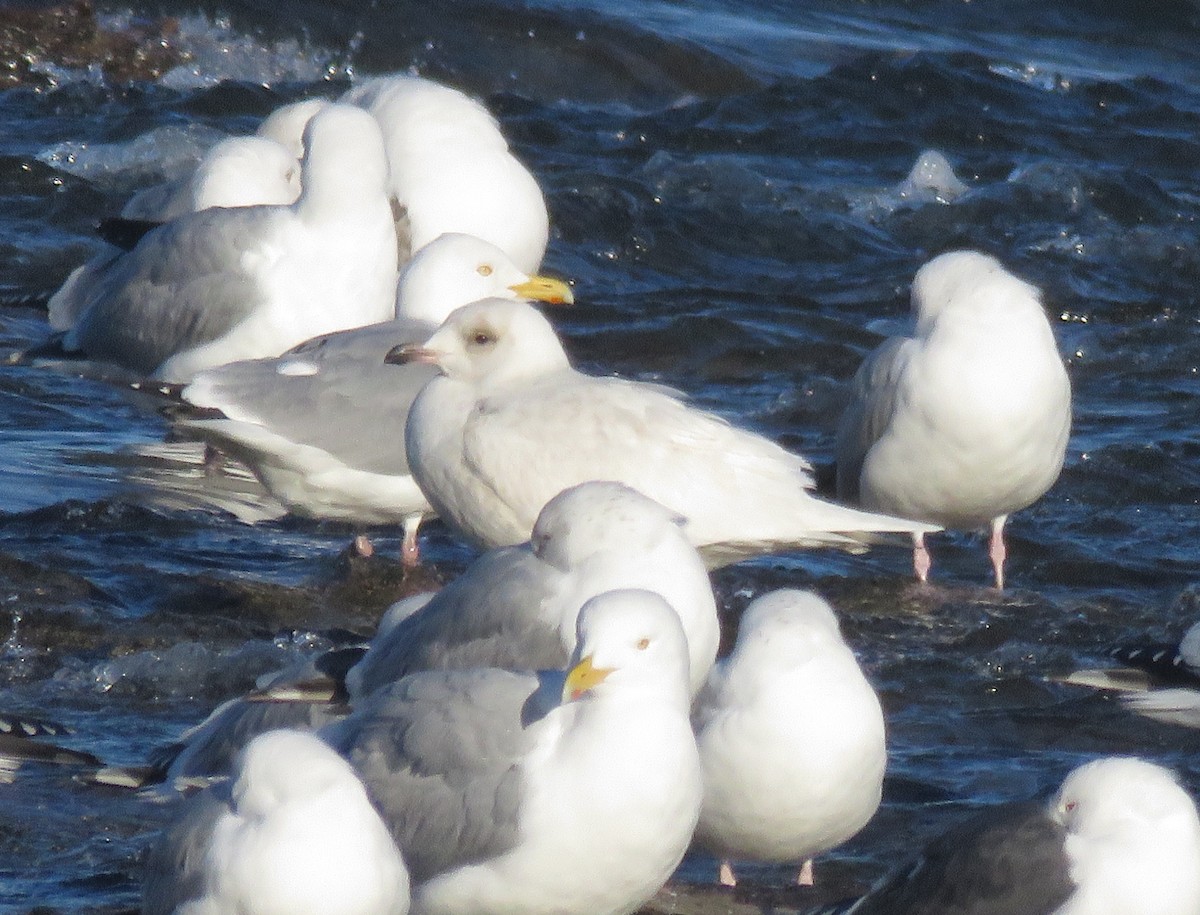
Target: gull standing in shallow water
<point>966,420</point>
<point>504,799</point>
<point>293,833</point>
<point>509,423</point>
<point>237,283</point>
<point>1121,837</point>
<point>320,425</point>
<point>791,739</point>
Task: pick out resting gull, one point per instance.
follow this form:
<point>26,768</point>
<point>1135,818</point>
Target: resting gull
<point>292,833</point>
<point>1120,838</point>
<point>791,738</point>
<point>516,607</point>
<point>965,421</point>
<point>320,425</point>
<point>504,799</point>
<point>237,171</point>
<point>509,423</point>
<point>235,283</point>
<point>452,170</point>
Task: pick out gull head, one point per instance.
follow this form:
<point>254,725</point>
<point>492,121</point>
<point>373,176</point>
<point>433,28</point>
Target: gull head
<point>285,125</point>
<point>491,343</point>
<point>344,161</point>
<point>455,269</point>
<point>282,767</point>
<point>786,628</point>
<point>1131,829</point>
<point>965,280</point>
<point>601,516</point>
<point>629,642</point>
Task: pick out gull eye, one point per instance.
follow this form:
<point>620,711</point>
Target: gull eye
<point>643,644</point>
<point>481,338</point>
<point>484,269</point>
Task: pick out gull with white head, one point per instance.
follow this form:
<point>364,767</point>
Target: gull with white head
<point>235,283</point>
<point>508,424</point>
<point>452,170</point>
<point>791,739</point>
<point>292,832</point>
<point>966,420</point>
<point>1120,837</point>
<point>321,426</point>
<point>516,607</point>
<point>505,798</point>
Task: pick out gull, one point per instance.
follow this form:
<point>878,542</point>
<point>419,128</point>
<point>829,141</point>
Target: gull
<point>452,170</point>
<point>226,284</point>
<point>503,798</point>
<point>791,739</point>
<point>293,832</point>
<point>516,607</point>
<point>1121,837</point>
<point>1159,680</point>
<point>313,424</point>
<point>237,171</point>
<point>965,420</point>
<point>508,424</point>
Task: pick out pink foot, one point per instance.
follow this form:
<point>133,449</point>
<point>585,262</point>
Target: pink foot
<point>410,550</point>
<point>922,562</point>
<point>725,876</point>
<point>362,546</point>
<point>997,551</point>
<point>805,877</point>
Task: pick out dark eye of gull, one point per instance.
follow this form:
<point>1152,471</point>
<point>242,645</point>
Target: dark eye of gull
<point>482,338</point>
<point>484,269</point>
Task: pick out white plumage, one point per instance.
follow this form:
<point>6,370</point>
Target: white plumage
<point>966,420</point>
<point>791,738</point>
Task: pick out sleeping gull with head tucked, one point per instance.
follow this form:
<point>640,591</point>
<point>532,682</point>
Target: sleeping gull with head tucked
<point>293,832</point>
<point>508,424</point>
<point>452,170</point>
<point>320,426</point>
<point>505,798</point>
<point>791,739</point>
<point>516,606</point>
<point>236,283</point>
<point>1121,837</point>
<point>966,420</point>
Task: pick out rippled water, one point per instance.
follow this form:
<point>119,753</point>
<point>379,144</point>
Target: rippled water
<point>725,187</point>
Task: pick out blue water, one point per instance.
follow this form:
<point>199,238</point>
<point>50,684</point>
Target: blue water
<point>723,181</point>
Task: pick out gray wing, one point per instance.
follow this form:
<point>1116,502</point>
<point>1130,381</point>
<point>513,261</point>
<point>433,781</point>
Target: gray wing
<point>872,405</point>
<point>440,754</point>
<point>174,871</point>
<point>184,284</point>
<point>333,392</point>
<point>491,616</point>
<point>1005,862</point>
<point>210,749</point>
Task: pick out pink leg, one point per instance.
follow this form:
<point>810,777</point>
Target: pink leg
<point>362,546</point>
<point>921,559</point>
<point>410,550</point>
<point>726,874</point>
<point>805,877</point>
<point>997,551</point>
